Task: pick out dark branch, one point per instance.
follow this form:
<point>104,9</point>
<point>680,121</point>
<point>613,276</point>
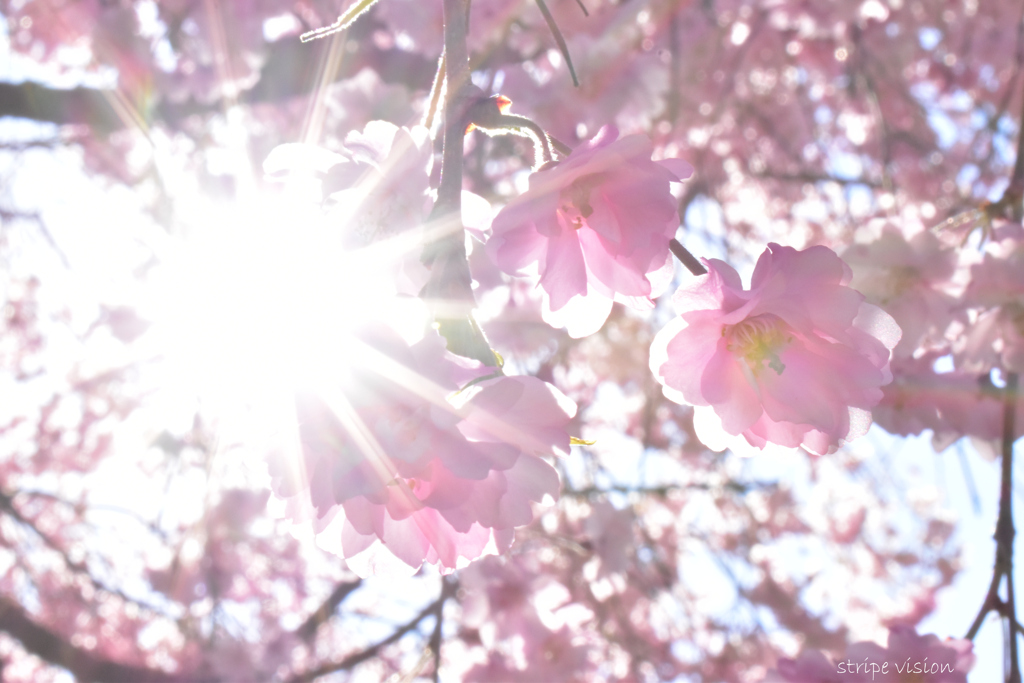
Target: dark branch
<point>1004,536</point>
<point>448,588</point>
<point>324,612</point>
<point>559,39</point>
<point>370,652</point>
<point>82,664</point>
<point>1004,526</point>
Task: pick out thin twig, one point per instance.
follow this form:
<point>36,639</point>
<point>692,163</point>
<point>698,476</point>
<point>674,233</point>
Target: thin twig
<point>665,491</point>
<point>6,215</point>
<point>436,94</point>
<point>343,22</point>
<point>686,258</point>
<point>447,590</point>
<point>358,658</point>
<point>559,39</point>
<point>1004,527</point>
<point>972,489</point>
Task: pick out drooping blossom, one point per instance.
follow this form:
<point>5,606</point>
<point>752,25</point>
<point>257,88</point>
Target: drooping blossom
<point>512,605</point>
<point>596,227</point>
<point>797,360</point>
<point>906,278</point>
<point>379,187</point>
<point>395,453</point>
<point>952,404</point>
<point>907,657</point>
<point>996,293</point>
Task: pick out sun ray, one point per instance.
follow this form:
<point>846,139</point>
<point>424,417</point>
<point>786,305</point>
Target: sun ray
<point>328,68</point>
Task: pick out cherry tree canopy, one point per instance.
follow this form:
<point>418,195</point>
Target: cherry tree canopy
<point>505,340</point>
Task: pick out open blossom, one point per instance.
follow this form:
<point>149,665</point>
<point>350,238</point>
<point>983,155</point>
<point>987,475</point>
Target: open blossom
<point>907,657</point>
<point>397,462</point>
<point>797,360</point>
<point>596,226</point>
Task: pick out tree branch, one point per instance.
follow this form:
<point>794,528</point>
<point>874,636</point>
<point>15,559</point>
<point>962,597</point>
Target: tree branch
<point>309,627</point>
<point>370,652</point>
<point>1004,536</point>
<point>448,588</point>
<point>1004,527</point>
<point>290,71</point>
<point>82,664</point>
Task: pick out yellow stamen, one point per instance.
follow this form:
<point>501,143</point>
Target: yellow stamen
<point>759,341</point>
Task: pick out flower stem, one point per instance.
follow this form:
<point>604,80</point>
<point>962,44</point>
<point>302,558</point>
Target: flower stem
<point>686,258</point>
<point>449,290</point>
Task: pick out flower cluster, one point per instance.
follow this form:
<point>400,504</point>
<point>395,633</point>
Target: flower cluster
<point>963,329</point>
<point>419,469</point>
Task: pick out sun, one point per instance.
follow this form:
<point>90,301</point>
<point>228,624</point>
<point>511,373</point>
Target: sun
<point>262,299</point>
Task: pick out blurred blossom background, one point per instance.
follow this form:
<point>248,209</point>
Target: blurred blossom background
<point>173,278</point>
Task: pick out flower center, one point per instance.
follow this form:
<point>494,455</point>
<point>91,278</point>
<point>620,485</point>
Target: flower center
<point>575,199</point>
<point>759,341</point>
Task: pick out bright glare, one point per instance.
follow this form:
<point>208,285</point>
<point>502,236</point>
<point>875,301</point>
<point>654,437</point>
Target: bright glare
<point>258,301</point>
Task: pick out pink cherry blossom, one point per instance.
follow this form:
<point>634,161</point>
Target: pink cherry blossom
<point>596,226</point>
<point>379,189</point>
<point>905,277</point>
<point>797,360</point>
<point>507,600</point>
<point>442,519</point>
<point>996,290</point>
<point>433,473</point>
<point>951,404</point>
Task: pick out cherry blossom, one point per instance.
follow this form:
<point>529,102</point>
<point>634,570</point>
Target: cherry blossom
<point>379,191</point>
<point>435,473</point>
<point>796,360</point>
<point>138,540</point>
<point>995,291</point>
<point>952,404</point>
<point>905,277</point>
<point>596,227</point>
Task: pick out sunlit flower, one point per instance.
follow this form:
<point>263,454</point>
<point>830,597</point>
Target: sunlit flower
<point>596,226</point>
<point>797,360</point>
<point>996,339</point>
<point>434,474</point>
<point>379,192</point>
<point>906,277</point>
